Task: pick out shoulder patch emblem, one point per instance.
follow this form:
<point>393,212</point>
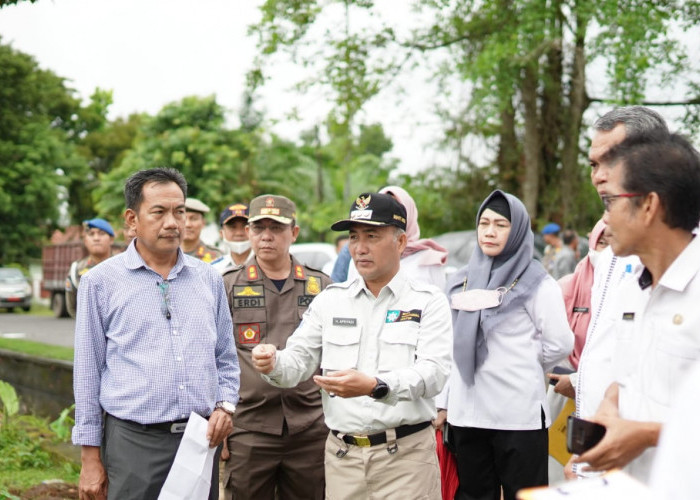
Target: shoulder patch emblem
<point>252,272</point>
<point>313,287</point>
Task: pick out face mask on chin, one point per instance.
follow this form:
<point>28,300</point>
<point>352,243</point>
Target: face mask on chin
<point>478,299</point>
<point>237,247</point>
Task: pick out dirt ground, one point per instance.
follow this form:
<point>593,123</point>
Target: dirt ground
<point>54,491</point>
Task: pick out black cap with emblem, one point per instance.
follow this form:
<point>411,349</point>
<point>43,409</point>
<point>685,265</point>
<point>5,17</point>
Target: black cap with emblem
<point>375,209</point>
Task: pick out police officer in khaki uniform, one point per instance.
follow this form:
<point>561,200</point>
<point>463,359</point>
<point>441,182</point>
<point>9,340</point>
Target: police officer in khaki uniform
<point>98,237</point>
<point>279,434</point>
<point>194,223</point>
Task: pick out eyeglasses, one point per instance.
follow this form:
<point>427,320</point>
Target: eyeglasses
<point>274,228</point>
<point>607,198</point>
<point>165,292</point>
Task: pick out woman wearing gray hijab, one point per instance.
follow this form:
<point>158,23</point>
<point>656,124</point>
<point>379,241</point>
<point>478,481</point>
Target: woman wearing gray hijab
<point>510,329</point>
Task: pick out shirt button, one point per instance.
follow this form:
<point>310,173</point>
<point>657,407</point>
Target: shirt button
<point>179,358</point>
<point>182,387</point>
<point>183,415</point>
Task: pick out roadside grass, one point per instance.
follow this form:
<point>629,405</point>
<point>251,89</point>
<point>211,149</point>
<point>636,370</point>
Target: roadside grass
<point>37,349</point>
<point>36,310</point>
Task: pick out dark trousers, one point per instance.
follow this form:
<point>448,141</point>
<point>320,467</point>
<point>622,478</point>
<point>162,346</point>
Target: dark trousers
<point>490,459</point>
<point>268,467</point>
<point>138,459</point>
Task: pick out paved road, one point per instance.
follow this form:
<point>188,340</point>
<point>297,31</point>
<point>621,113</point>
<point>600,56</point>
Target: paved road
<point>46,329</point>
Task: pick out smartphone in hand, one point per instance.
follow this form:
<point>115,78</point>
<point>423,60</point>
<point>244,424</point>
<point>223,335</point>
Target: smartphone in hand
<point>560,370</point>
<point>582,435</point>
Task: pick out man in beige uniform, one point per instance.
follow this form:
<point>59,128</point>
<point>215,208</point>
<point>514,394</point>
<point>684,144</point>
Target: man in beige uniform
<point>279,434</point>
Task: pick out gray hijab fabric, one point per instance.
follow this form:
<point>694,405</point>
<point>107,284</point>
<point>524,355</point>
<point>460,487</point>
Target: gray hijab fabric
<point>483,272</point>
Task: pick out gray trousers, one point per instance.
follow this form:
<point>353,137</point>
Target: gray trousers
<point>137,460</point>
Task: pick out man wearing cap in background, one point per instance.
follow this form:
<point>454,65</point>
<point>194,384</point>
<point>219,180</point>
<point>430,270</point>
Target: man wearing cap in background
<point>233,221</point>
<point>384,343</point>
<point>277,444</point>
<point>194,223</point>
<point>550,235</point>
<point>98,237</point>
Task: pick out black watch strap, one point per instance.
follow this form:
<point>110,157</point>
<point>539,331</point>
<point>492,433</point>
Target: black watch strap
<point>380,390</point>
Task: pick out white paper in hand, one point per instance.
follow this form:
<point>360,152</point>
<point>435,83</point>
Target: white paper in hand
<point>190,475</point>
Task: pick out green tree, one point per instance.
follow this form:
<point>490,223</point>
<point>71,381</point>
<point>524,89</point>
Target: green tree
<point>512,73</point>
<point>37,153</point>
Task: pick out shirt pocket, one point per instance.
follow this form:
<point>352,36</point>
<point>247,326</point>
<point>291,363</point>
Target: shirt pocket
<point>673,359</point>
<point>398,343</point>
<point>341,348</point>
<point>249,327</point>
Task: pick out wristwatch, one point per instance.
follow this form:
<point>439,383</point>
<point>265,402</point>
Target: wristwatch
<point>229,408</point>
<point>380,390</point>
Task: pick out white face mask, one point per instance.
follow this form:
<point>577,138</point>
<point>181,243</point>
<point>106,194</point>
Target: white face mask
<point>478,299</point>
<point>237,247</point>
<point>593,256</point>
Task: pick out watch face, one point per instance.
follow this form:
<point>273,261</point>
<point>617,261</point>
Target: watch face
<point>380,390</point>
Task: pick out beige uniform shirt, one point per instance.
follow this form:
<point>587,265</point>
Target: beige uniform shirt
<point>403,336</point>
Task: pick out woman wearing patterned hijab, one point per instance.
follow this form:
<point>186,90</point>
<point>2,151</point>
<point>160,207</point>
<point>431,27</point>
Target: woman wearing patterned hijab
<point>510,328</point>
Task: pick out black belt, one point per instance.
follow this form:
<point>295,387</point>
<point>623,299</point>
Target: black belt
<point>380,437</point>
<point>174,427</point>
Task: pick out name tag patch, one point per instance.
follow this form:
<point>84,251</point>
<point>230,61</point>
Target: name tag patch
<point>344,321</point>
<point>243,302</point>
<point>397,316</point>
<point>249,333</point>
<point>580,309</point>
<point>305,300</point>
<point>628,316</point>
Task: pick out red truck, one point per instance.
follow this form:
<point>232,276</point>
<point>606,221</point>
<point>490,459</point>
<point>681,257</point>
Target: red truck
<point>56,261</point>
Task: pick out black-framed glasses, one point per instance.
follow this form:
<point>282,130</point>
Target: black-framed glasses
<point>165,292</point>
<point>607,198</point>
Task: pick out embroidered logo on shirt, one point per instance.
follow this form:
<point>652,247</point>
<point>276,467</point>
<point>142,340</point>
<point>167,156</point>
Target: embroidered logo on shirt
<point>252,273</point>
<point>248,291</point>
<point>299,272</point>
<point>313,287</point>
<point>249,333</point>
<point>243,302</point>
<point>344,321</point>
<point>397,316</point>
<point>628,316</point>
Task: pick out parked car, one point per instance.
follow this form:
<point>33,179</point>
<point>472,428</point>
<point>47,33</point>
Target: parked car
<point>314,255</point>
<point>15,290</point>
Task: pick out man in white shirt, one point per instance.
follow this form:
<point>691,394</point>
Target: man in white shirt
<point>384,344</point>
<point>652,200</point>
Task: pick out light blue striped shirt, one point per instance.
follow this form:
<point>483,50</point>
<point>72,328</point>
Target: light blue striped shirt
<point>134,362</point>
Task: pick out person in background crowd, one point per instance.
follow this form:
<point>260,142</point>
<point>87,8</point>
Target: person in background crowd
<point>565,260</point>
<point>596,371</point>
<point>510,328</point>
<point>383,342</point>
<point>550,235</point>
<point>152,344</point>
<point>423,259</point>
<point>233,221</point>
<point>340,243</point>
<point>276,450</point>
<point>98,237</point>
<point>652,203</point>
<point>191,242</point>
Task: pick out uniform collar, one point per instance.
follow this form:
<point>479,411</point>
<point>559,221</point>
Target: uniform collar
<point>683,269</point>
<point>254,273</point>
<point>395,286</point>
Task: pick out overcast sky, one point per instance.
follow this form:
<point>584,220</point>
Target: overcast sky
<point>152,52</point>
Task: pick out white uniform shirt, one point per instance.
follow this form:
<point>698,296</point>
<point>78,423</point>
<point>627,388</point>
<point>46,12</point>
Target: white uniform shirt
<point>658,341</point>
<point>595,369</point>
<point>673,475</point>
<point>403,336</point>
<point>509,387</point>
